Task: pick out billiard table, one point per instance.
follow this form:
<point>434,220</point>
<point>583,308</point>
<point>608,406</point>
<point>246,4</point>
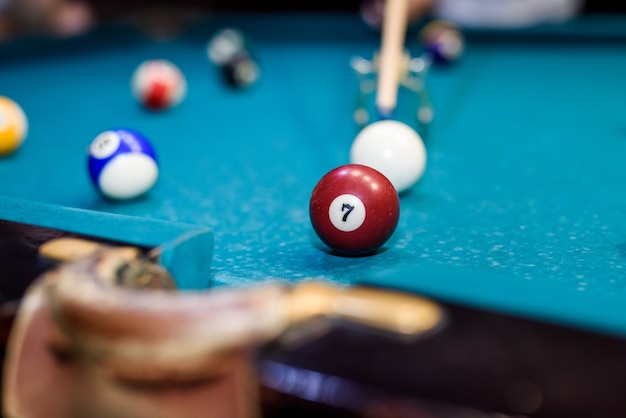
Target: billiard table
<point>519,215</point>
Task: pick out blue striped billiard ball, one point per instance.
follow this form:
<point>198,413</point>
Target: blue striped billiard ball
<point>122,164</point>
<point>443,40</point>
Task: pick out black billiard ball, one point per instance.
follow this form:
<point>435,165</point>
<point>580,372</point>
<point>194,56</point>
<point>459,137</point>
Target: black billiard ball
<point>230,50</point>
<point>241,70</point>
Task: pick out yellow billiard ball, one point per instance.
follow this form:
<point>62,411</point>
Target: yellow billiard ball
<point>13,126</point>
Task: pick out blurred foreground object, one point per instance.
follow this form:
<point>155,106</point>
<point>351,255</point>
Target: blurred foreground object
<point>95,338</point>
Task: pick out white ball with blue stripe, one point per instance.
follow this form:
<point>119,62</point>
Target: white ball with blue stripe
<point>122,164</point>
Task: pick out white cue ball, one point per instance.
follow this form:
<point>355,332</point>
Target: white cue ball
<point>393,148</point>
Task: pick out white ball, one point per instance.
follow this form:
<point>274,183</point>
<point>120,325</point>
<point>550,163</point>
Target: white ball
<point>128,176</point>
<point>224,45</point>
<point>159,84</point>
<point>393,148</point>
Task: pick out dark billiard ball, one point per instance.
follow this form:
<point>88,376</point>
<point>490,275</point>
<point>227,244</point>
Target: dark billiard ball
<point>354,209</point>
<point>229,49</point>
<point>241,70</point>
<point>443,40</point>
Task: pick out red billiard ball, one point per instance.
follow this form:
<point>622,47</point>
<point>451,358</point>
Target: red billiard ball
<point>354,209</point>
<point>159,84</point>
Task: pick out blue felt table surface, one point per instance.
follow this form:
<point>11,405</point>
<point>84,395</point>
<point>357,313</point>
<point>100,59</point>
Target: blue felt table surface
<point>523,196</point>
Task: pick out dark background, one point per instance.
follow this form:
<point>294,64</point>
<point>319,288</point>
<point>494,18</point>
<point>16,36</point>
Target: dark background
<point>116,6</point>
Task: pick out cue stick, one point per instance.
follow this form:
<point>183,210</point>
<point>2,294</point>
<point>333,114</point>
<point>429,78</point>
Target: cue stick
<point>391,55</point>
